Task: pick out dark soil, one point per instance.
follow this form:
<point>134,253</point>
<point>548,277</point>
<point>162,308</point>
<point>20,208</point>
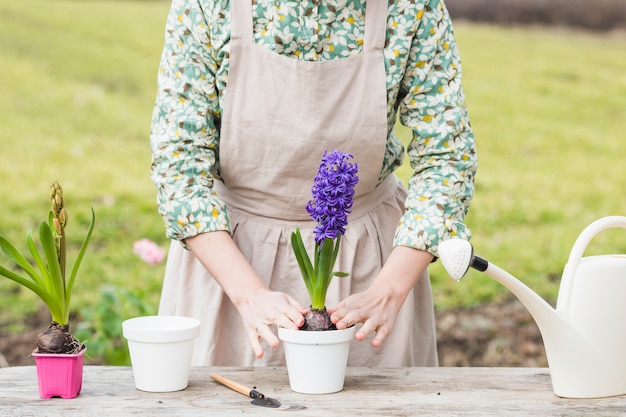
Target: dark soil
<point>488,335</point>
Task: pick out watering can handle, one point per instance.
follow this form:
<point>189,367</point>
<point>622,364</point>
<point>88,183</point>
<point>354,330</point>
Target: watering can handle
<point>567,281</point>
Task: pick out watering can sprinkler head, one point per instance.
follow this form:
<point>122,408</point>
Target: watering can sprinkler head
<point>457,256</point>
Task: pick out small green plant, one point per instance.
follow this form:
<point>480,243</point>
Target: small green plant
<point>46,275</point>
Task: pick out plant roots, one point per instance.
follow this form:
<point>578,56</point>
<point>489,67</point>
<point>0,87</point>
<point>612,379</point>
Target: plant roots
<point>57,339</point>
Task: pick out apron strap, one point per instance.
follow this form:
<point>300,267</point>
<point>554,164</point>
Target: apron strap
<point>241,24</point>
<point>375,25</point>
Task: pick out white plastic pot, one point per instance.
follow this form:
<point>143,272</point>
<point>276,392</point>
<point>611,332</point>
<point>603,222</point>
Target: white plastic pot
<point>160,351</point>
<point>316,360</point>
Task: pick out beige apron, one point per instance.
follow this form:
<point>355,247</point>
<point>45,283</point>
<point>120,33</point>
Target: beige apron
<point>279,116</point>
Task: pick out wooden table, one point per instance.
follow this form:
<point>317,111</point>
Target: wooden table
<point>110,391</point>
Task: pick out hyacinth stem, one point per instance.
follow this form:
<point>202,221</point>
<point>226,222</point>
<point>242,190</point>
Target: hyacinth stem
<point>325,257</point>
<point>59,220</point>
<point>62,256</point>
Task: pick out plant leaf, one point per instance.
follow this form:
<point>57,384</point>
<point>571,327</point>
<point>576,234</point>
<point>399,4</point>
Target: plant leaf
<point>324,273</point>
<point>45,296</point>
<point>41,278</point>
<point>304,262</point>
<point>330,254</point>
<point>13,254</point>
<point>79,258</point>
<point>336,251</point>
<point>334,260</point>
<point>52,260</point>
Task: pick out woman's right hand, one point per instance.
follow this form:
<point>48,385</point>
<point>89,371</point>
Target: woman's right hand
<point>258,306</point>
<point>262,308</point>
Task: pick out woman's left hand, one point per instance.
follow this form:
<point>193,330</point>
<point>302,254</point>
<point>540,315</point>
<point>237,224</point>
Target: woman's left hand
<point>377,310</point>
<point>378,306</point>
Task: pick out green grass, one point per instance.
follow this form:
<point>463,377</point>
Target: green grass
<point>78,84</point>
<point>76,96</point>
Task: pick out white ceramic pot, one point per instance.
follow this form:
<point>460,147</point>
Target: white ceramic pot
<point>160,351</point>
<point>316,360</point>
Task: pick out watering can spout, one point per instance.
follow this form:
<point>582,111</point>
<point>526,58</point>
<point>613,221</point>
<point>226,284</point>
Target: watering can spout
<point>457,256</point>
<point>583,363</point>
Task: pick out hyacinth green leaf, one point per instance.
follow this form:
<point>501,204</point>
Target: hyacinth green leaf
<point>13,254</point>
<point>326,262</point>
<point>46,297</point>
<point>304,262</point>
<point>42,278</point>
<point>52,260</point>
<point>334,260</point>
<point>79,258</point>
<point>38,283</point>
<point>336,250</point>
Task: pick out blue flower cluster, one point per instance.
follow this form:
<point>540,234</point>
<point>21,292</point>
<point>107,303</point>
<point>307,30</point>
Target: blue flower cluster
<point>333,193</point>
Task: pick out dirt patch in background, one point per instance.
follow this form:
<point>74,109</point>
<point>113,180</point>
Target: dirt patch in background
<point>15,349</point>
<point>599,15</point>
<point>488,335</point>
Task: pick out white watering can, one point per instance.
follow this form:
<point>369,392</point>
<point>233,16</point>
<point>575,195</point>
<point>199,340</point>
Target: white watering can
<point>585,336</point>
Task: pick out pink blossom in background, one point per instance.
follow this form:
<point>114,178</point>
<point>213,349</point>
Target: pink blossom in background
<point>148,251</point>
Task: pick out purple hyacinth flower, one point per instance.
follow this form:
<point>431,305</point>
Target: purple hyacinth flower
<point>333,193</point>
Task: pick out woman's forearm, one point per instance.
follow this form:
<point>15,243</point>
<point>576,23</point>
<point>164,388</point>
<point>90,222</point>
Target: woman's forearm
<point>219,254</point>
<point>402,271</point>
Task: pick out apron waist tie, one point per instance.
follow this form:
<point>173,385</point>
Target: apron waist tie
<point>252,207</point>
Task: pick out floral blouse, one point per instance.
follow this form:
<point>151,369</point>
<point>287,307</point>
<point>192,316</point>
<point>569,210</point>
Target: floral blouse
<point>423,89</point>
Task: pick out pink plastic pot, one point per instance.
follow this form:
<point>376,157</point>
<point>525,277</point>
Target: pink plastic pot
<point>59,375</point>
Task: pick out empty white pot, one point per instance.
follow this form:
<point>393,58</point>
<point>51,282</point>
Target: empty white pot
<point>160,351</point>
<point>316,360</point>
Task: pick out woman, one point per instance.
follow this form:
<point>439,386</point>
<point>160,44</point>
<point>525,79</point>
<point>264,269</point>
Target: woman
<point>251,93</point>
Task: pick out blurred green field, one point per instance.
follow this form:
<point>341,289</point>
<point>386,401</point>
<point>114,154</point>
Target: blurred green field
<point>76,93</point>
<point>76,96</point>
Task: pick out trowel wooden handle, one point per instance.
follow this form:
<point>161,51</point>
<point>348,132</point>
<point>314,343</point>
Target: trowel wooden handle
<point>240,388</point>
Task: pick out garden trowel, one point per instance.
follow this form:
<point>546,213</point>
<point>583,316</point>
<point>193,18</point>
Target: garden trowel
<point>257,397</point>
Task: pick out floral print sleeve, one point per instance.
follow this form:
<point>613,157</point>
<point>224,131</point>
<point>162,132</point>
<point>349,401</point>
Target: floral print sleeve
<point>184,137</point>
<point>423,85</point>
<point>442,151</point>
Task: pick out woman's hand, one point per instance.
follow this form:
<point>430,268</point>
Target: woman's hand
<point>376,309</point>
<point>378,306</point>
<point>258,306</point>
<point>263,308</point>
